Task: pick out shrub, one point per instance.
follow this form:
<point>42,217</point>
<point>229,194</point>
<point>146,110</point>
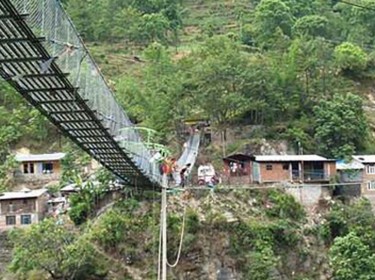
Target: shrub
<point>284,206</point>
<point>111,229</point>
<point>192,221</point>
<point>261,263</point>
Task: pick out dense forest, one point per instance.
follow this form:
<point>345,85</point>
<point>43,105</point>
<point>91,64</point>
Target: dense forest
<point>295,70</point>
<point>301,70</point>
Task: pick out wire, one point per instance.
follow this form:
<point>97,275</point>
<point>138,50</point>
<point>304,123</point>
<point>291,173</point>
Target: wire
<point>280,185</point>
<point>357,5</point>
<point>159,255</point>
<point>181,240</point>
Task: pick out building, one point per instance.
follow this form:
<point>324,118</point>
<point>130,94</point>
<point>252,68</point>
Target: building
<point>69,189</point>
<point>292,168</point>
<point>237,169</point>
<point>57,206</point>
<point>38,169</point>
<point>22,208</point>
<point>368,185</point>
<point>350,175</point>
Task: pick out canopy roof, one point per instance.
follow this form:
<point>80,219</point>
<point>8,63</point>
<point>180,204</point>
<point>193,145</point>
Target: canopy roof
<point>22,194</point>
<point>40,157</point>
<point>288,158</point>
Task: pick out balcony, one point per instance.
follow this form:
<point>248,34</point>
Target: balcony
<point>310,175</point>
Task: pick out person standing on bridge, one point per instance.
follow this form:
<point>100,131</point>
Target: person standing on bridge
<point>168,167</point>
<point>183,174</point>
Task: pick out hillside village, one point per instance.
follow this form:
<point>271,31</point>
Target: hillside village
<point>174,139</point>
<point>35,173</point>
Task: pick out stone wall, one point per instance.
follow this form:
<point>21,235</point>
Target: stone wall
<point>308,196</point>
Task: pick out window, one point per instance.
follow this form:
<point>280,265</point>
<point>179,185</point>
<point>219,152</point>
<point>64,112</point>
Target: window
<point>269,166</point>
<point>28,168</point>
<point>286,166</point>
<point>371,169</point>
<point>25,168</point>
<point>47,167</point>
<point>25,219</point>
<point>10,207</point>
<point>10,220</point>
<point>371,185</point>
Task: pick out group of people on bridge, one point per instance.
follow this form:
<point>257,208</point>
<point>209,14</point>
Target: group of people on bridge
<point>175,173</point>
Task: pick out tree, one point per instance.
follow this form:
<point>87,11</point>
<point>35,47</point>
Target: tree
<point>271,16</point>
<point>220,81</point>
<point>154,27</point>
<point>311,25</point>
<point>350,57</point>
<point>17,119</point>
<point>351,259</point>
<point>341,127</point>
<point>356,217</point>
<point>54,249</point>
<point>73,163</point>
<point>155,98</point>
<point>127,25</point>
<point>141,22</point>
<point>357,22</point>
<point>83,204</point>
<point>6,168</point>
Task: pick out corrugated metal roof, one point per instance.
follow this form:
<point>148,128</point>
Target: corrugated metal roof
<point>342,165</point>
<point>280,158</point>
<point>365,158</point>
<point>70,188</point>
<point>22,194</point>
<point>41,157</point>
<point>74,188</point>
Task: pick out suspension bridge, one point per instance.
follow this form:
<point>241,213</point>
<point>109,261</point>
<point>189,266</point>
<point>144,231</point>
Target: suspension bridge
<point>43,57</point>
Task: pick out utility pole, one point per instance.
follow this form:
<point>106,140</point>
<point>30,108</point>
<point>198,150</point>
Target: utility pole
<point>163,225</point>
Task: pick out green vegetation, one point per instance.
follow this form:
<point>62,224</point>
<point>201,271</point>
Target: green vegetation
<point>267,236</point>
<point>349,256</point>
<point>138,22</point>
<point>296,70</point>
<point>284,66</point>
<point>56,250</point>
<point>19,123</point>
<point>83,204</point>
<point>340,125</point>
<point>272,63</point>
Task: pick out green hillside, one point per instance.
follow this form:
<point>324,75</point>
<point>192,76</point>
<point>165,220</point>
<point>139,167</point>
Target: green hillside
<point>262,71</point>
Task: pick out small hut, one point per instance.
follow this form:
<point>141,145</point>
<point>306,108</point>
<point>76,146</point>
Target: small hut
<point>237,169</point>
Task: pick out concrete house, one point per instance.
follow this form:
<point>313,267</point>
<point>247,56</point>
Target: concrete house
<point>292,168</point>
<point>22,208</point>
<point>350,175</point>
<point>368,185</point>
<point>38,169</point>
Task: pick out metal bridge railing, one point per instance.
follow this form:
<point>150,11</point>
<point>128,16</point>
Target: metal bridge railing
<point>48,20</point>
